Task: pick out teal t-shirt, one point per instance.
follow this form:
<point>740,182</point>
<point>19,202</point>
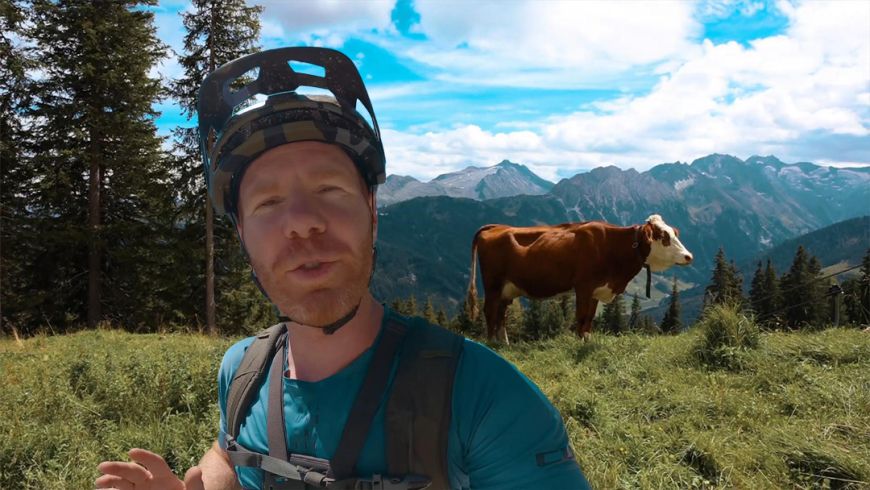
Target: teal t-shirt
<point>504,433</point>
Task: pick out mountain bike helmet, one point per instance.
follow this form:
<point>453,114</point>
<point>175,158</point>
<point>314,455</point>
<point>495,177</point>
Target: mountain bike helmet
<point>234,131</point>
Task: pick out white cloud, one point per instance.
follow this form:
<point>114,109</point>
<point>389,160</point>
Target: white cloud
<point>721,9</point>
<point>550,44</point>
<point>801,95</point>
<point>325,22</point>
<point>430,154</point>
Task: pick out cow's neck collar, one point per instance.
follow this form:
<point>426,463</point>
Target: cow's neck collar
<point>636,246</point>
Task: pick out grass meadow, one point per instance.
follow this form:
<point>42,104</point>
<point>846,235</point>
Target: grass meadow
<point>779,410</point>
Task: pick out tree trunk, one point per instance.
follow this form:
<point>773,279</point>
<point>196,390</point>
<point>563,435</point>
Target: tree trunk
<point>210,307</point>
<point>211,322</point>
<point>94,313</point>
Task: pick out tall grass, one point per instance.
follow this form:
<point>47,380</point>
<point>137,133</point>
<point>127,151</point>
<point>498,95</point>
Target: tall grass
<point>649,412</point>
<point>642,412</point>
<point>69,402</point>
<point>727,334</point>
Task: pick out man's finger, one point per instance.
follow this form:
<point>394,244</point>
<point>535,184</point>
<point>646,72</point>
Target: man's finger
<point>131,472</point>
<point>193,479</point>
<point>153,462</point>
<point>113,481</point>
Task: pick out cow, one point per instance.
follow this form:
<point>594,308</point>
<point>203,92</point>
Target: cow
<point>595,259</point>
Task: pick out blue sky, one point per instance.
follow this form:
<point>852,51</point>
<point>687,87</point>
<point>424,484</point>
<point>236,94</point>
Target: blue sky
<point>564,86</point>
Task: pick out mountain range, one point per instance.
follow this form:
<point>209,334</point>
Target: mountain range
<point>745,207</point>
<point>502,180</point>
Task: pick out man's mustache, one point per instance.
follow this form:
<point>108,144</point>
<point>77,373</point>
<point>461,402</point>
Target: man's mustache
<point>298,252</point>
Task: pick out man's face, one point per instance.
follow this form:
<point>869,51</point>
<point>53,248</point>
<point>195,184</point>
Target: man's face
<point>306,222</point>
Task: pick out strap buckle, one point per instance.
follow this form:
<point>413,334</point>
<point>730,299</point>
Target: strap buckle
<point>380,482</point>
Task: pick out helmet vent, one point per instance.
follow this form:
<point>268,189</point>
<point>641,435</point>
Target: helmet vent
<point>303,67</point>
<point>244,79</point>
<point>315,91</point>
<point>361,109</point>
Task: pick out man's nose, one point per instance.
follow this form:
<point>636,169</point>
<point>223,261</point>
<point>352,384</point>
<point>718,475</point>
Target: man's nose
<point>302,218</point>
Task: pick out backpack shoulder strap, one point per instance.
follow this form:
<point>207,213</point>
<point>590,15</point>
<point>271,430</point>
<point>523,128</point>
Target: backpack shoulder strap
<point>249,376</point>
<point>420,404</point>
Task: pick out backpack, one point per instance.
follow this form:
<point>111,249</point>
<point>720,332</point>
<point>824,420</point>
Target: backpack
<point>417,415</point>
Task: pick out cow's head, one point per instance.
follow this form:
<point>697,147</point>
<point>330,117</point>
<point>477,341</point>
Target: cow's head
<point>665,246</point>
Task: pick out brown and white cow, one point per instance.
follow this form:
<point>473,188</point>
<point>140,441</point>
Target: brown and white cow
<point>595,259</point>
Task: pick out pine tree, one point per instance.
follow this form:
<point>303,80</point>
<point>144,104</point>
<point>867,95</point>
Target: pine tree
<point>429,310</point>
<point>726,285</point>
<point>736,292</point>
<point>634,317</point>
<point>541,320</point>
<point>411,306</point>
<point>802,292</point>
<point>553,320</point>
<point>756,291</point>
<point>856,300</point>
<point>396,305</point>
<point>647,326</point>
<point>614,316</point>
<point>17,234</point>
<point>864,288</point>
<point>463,324</point>
<point>533,319</point>
<point>103,206</point>
<point>672,323</point>
<point>819,301</point>
<point>216,33</point>
<point>441,318</point>
<point>771,303</point>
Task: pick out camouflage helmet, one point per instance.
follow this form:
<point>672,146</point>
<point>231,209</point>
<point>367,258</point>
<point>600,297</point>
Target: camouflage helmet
<point>233,132</point>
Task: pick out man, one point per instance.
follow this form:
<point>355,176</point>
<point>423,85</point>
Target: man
<point>357,398</point>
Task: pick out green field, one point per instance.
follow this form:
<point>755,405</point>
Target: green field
<point>642,412</point>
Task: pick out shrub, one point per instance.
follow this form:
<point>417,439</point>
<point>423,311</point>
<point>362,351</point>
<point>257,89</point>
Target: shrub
<point>726,334</point>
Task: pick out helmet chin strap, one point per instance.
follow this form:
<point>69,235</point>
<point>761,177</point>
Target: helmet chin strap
<point>334,326</point>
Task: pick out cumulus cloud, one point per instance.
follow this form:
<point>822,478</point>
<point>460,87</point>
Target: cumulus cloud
<point>546,44</point>
<point>800,95</point>
<point>323,23</point>
<point>430,154</point>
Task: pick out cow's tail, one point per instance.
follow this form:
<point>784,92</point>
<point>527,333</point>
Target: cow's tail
<point>471,297</point>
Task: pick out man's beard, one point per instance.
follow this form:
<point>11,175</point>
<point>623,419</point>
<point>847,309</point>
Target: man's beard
<point>322,306</point>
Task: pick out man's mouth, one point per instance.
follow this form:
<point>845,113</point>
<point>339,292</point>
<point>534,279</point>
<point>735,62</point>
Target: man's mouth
<point>312,270</point>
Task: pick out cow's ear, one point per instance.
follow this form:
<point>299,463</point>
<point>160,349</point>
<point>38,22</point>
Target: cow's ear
<point>648,232</point>
<point>676,231</point>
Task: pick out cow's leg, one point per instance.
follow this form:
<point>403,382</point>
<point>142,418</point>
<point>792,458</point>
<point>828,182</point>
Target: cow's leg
<point>501,316</point>
<point>585,306</point>
<point>590,316</point>
<point>491,301</point>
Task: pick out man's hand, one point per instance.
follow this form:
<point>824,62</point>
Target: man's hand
<point>149,472</point>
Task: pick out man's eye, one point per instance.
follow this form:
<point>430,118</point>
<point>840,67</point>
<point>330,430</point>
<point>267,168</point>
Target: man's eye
<point>328,188</point>
<point>267,203</point>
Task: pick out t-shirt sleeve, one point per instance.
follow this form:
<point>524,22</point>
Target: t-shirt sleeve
<point>229,365</point>
<point>511,436</point>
